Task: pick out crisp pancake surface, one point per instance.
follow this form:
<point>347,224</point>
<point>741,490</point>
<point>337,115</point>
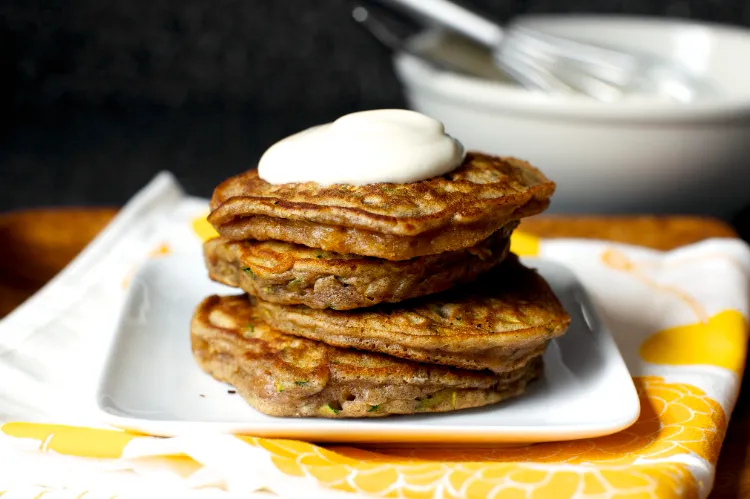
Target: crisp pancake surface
<point>498,322</point>
<point>292,274</point>
<point>283,375</point>
<point>390,221</point>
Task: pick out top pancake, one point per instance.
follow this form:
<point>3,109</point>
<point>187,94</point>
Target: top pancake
<point>390,221</point>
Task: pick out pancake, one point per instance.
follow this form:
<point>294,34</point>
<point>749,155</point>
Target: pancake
<point>292,274</point>
<point>282,375</point>
<point>383,220</point>
<point>498,322</point>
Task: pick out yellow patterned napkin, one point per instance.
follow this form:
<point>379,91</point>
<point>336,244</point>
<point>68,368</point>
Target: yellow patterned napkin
<point>679,319</point>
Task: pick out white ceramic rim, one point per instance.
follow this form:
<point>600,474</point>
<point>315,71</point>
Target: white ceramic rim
<point>476,92</point>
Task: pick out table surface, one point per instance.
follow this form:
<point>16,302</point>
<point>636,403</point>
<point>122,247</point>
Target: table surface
<point>36,244</point>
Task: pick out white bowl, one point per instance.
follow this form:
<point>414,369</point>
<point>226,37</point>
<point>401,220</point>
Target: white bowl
<point>624,157</point>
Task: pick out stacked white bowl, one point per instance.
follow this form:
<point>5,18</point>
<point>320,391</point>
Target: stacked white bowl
<point>635,155</point>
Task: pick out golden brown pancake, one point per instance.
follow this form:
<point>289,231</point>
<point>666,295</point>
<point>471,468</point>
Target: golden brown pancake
<point>498,322</point>
<point>283,375</point>
<point>292,274</point>
<point>389,221</point>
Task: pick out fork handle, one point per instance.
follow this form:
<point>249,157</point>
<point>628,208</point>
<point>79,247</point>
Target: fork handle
<point>454,17</point>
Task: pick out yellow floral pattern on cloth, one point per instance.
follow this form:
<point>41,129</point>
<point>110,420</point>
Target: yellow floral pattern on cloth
<point>618,260</point>
<point>72,440</point>
<point>388,476</point>
<point>676,419</point>
<point>719,340</point>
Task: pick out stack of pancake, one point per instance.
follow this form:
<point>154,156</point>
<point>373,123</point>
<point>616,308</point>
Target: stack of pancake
<point>366,301</point>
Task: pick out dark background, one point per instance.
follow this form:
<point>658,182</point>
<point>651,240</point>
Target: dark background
<point>99,95</point>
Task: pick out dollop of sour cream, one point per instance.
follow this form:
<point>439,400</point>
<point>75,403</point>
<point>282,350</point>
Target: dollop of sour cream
<point>387,145</point>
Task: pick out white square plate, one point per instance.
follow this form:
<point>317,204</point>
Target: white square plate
<point>152,385</point>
